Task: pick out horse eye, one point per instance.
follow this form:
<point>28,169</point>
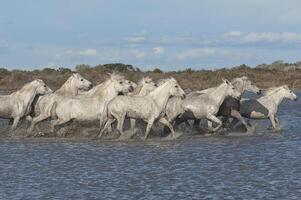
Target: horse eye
<point>81,79</point>
<point>120,82</point>
<point>44,85</point>
<point>176,86</point>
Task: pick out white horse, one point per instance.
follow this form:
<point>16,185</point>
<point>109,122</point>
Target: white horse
<point>149,108</point>
<point>267,105</point>
<point>18,104</point>
<point>200,106</point>
<point>83,108</point>
<point>42,108</point>
<point>231,106</point>
<point>145,86</point>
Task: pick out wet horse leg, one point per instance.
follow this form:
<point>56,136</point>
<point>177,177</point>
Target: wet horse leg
<point>273,122</point>
<point>57,122</point>
<point>106,126</point>
<point>196,124</point>
<point>120,122</point>
<point>213,118</point>
<point>166,123</point>
<point>237,115</point>
<point>133,124</point>
<point>277,122</point>
<point>15,123</point>
<point>148,128</point>
<point>36,120</point>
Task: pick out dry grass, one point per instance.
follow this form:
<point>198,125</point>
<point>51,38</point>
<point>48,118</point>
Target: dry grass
<point>195,80</point>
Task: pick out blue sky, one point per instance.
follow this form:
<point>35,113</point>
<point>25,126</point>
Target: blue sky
<point>170,34</point>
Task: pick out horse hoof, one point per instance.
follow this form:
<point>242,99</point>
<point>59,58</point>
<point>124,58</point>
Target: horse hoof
<point>250,130</point>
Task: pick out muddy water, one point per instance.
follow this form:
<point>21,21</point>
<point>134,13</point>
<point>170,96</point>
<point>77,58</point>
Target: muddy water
<point>265,165</point>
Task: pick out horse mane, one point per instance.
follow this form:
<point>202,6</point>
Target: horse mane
<point>162,81</point>
<point>272,90</point>
<point>237,80</point>
<point>99,89</point>
<point>64,88</point>
<point>27,87</point>
<point>139,87</point>
<point>115,76</point>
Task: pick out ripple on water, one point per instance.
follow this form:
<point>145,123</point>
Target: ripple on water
<point>261,166</point>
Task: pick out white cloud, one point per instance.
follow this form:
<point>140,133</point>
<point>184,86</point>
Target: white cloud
<point>195,53</point>
<point>270,37</point>
<point>233,34</point>
<point>291,37</point>
<point>254,37</point>
<point>158,50</point>
<point>136,39</point>
<point>88,52</point>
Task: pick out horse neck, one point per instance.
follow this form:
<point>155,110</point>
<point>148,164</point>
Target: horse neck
<point>219,95</point>
<point>144,91</point>
<point>106,92</point>
<point>160,97</point>
<point>67,89</point>
<point>27,96</point>
<point>277,97</point>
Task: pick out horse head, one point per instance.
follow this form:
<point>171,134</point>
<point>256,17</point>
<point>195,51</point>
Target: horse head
<point>77,81</point>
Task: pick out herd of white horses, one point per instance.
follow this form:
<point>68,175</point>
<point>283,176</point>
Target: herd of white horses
<point>118,99</point>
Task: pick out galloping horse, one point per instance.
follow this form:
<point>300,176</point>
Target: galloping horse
<point>18,104</point>
<point>42,108</point>
<point>200,106</point>
<point>149,108</point>
<point>83,108</point>
<point>267,105</point>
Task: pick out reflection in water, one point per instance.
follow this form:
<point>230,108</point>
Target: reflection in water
<point>262,166</point>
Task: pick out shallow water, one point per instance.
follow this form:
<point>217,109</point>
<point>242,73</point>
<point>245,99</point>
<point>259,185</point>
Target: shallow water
<point>262,166</point>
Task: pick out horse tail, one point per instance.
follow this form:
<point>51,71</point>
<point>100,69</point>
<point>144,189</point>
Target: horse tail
<point>53,110</point>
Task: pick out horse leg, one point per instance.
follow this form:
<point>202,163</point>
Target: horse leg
<point>36,120</point>
<point>15,123</point>
<point>57,122</point>
<point>166,123</point>
<point>196,124</point>
<point>133,125</point>
<point>106,126</point>
<point>209,126</point>
<point>277,122</point>
<point>237,115</point>
<point>148,127</point>
<point>178,122</point>
<point>216,120</point>
<point>120,122</point>
<point>273,122</point>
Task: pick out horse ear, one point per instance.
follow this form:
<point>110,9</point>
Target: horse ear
<point>225,81</point>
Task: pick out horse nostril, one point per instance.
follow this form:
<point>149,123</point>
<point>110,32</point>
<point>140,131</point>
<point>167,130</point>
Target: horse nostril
<point>259,92</point>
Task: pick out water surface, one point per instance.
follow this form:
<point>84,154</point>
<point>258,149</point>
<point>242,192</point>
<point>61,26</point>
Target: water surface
<point>262,166</point>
